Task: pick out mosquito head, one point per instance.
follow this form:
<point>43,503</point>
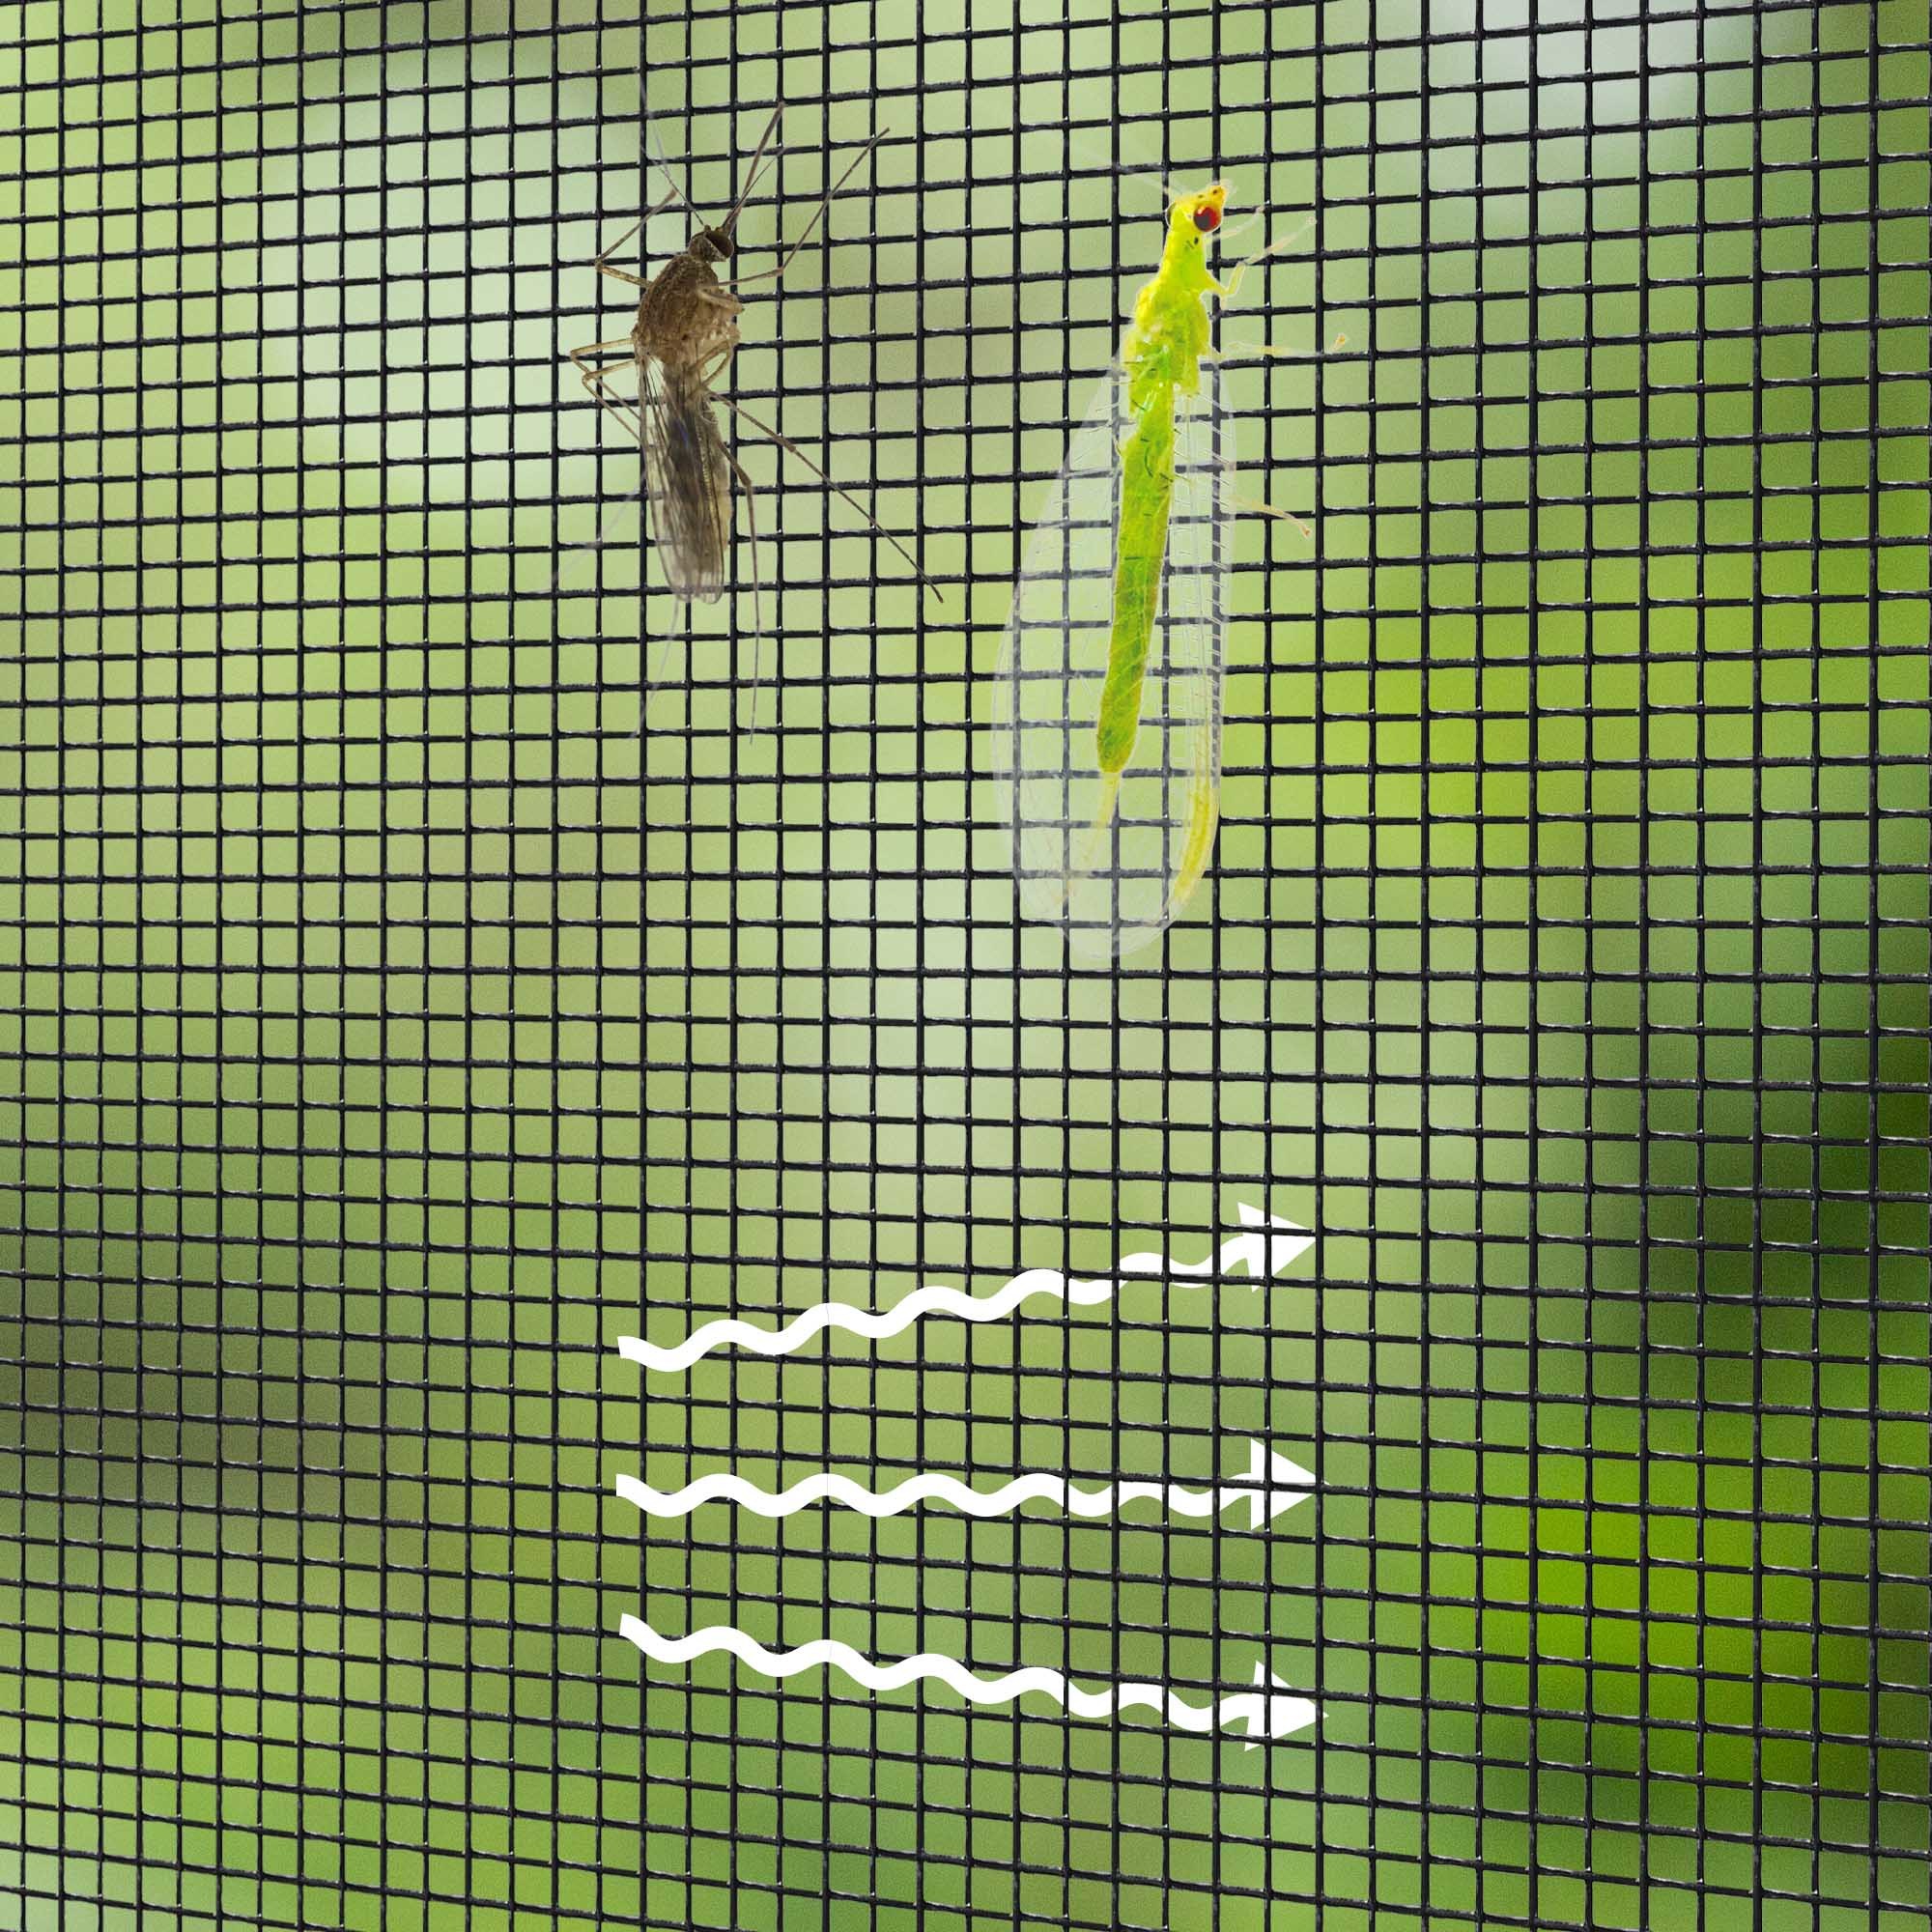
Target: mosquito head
<point>1198,215</point>
<point>715,245</point>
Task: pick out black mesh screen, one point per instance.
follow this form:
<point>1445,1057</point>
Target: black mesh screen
<point>424,962</point>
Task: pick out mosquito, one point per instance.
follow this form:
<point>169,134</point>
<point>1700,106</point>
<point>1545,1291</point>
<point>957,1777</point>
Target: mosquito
<point>680,346</point>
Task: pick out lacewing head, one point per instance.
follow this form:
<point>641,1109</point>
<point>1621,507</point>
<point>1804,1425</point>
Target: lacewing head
<point>1201,212</point>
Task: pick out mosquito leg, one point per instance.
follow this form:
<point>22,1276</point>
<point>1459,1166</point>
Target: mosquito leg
<point>758,583</point>
<point>660,671</point>
<point>594,372</point>
<point>772,275</point>
<point>621,406</point>
<point>786,443</point>
<point>597,380</point>
<point>662,664</point>
<point>603,261</point>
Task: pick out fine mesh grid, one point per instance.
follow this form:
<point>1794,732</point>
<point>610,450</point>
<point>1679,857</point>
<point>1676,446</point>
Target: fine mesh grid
<point>394,1011</point>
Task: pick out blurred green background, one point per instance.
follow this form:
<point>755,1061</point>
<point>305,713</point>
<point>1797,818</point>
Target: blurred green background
<point>383,1022</point>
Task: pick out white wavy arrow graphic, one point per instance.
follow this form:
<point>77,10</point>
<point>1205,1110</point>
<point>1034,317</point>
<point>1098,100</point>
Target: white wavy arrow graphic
<point>1267,1247</point>
<point>1265,1712</point>
<point>1272,1485</point>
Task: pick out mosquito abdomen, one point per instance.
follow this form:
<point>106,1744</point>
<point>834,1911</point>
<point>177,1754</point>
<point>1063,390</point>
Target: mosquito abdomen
<point>692,493</point>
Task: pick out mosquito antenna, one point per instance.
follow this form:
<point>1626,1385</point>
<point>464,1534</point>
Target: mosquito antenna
<point>818,215</point>
<point>730,221</point>
<point>759,167</point>
<point>654,154</point>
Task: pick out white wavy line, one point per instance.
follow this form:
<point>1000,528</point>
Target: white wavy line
<point>1267,1247</point>
<point>1273,1485</point>
<point>1266,1713</point>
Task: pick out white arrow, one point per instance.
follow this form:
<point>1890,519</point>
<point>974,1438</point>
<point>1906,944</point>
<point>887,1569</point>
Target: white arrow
<point>1270,1713</point>
<point>1262,1253</point>
<point>1272,1485</point>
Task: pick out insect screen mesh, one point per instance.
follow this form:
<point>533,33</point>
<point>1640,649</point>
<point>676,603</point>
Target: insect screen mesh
<point>388,1023</point>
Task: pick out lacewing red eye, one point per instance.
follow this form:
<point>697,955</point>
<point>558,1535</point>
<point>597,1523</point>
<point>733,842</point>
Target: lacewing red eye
<point>1208,218</point>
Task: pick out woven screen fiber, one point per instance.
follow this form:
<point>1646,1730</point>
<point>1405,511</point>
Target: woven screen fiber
<point>396,1009</point>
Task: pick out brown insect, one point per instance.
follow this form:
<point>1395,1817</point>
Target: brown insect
<point>681,343</point>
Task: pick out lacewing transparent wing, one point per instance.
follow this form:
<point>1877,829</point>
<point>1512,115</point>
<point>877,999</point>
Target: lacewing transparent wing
<point>1116,885</point>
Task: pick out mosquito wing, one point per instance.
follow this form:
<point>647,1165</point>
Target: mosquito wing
<point>1114,879</point>
<point>687,480</point>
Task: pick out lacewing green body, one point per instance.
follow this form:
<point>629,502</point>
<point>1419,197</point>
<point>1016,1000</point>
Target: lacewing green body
<point>1110,691</point>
